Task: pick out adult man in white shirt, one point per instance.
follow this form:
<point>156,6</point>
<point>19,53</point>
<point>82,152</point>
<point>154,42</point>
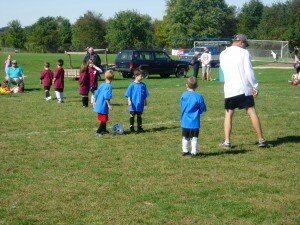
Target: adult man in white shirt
<point>240,85</point>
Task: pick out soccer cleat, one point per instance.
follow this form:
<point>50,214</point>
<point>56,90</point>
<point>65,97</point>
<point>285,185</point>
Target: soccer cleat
<point>262,143</point>
<point>225,145</point>
<point>185,153</point>
<point>194,154</point>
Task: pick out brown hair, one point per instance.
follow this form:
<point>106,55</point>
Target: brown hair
<point>109,75</point>
<point>60,62</point>
<point>47,64</point>
<point>137,72</point>
<point>83,68</point>
<point>192,83</point>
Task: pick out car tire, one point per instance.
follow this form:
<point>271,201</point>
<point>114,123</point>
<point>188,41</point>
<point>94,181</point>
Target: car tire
<point>126,75</point>
<point>181,72</point>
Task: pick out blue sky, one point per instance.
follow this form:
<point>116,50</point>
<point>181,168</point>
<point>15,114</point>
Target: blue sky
<point>29,11</point>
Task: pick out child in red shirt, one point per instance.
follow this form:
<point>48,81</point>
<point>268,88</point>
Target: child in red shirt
<point>84,85</point>
<point>46,80</point>
<point>58,81</point>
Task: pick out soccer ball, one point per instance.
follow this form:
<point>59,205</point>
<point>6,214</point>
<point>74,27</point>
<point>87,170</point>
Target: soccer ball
<point>118,129</point>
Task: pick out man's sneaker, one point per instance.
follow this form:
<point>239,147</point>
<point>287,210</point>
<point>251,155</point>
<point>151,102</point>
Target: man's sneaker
<point>262,143</point>
<point>185,153</point>
<point>225,145</point>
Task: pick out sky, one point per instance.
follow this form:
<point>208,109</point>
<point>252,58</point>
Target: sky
<point>27,12</point>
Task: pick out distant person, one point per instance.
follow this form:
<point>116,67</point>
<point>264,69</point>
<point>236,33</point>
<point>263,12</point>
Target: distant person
<point>101,102</point>
<point>91,54</point>
<point>46,80</point>
<point>84,85</point>
<point>297,60</point>
<point>240,85</point>
<point>59,81</point>
<point>15,75</point>
<point>274,55</point>
<point>195,63</point>
<point>206,66</point>
<point>192,105</point>
<point>94,73</point>
<point>7,63</point>
<point>137,94</point>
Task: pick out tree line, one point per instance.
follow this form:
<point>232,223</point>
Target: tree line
<point>185,21</point>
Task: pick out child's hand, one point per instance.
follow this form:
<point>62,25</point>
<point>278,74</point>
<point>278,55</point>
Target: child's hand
<point>129,102</point>
<point>110,107</point>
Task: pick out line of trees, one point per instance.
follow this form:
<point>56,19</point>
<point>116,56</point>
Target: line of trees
<point>184,22</point>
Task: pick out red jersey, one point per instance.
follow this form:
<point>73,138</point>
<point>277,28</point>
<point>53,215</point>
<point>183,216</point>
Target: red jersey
<point>47,77</point>
<point>84,83</point>
<point>94,76</point>
<point>59,75</point>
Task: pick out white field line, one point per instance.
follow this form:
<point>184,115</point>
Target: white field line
<point>204,118</point>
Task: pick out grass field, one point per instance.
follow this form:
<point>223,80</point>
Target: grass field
<point>54,170</point>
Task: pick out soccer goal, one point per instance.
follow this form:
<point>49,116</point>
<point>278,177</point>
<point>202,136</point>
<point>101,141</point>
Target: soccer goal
<point>263,50</point>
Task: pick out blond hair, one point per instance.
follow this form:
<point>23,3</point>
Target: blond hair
<point>192,83</point>
<point>109,75</point>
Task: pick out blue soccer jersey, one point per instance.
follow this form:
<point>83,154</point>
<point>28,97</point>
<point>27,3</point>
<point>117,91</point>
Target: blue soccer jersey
<point>192,105</point>
<point>103,93</point>
<point>137,92</point>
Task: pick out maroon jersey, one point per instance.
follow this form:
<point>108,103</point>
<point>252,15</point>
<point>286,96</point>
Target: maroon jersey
<point>84,83</point>
<point>59,75</point>
<point>94,76</point>
<point>47,77</point>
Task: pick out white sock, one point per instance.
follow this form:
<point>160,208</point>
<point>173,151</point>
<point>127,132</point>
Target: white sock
<point>57,94</point>
<point>62,96</point>
<point>194,144</point>
<point>185,145</point>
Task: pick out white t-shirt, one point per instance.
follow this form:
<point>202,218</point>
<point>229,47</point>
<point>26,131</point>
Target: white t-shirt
<point>205,59</point>
<point>238,73</point>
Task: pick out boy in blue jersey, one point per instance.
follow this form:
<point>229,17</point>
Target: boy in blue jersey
<point>101,102</point>
<point>137,94</point>
<point>192,105</point>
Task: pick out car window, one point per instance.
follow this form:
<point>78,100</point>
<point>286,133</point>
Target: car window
<point>161,56</point>
<point>125,55</point>
<point>144,56</point>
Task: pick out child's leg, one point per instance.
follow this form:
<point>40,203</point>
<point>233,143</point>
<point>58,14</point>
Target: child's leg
<point>101,128</point>
<point>85,100</point>
<point>62,96</point>
<point>131,121</point>
<point>185,145</point>
<point>139,122</point>
<point>194,141</point>
<point>57,94</point>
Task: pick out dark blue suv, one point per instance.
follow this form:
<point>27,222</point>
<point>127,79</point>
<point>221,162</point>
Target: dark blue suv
<point>151,62</point>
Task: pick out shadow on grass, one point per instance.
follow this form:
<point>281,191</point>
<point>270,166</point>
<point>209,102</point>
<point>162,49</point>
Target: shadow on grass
<point>227,152</point>
<point>287,139</point>
<point>157,129</point>
<point>32,89</point>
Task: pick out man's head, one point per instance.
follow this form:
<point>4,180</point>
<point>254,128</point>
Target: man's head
<point>14,63</point>
<point>206,50</point>
<point>91,50</point>
<point>241,40</point>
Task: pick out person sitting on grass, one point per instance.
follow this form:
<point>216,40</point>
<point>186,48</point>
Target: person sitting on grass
<point>15,75</point>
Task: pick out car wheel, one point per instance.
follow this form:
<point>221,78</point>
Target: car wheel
<point>145,74</point>
<point>126,75</point>
<point>181,72</point>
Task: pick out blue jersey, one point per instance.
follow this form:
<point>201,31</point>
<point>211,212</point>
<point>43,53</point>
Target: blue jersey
<point>103,93</point>
<point>192,105</point>
<point>138,93</point>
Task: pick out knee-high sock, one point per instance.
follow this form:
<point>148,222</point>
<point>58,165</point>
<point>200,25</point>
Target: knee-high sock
<point>57,94</point>
<point>131,122</point>
<point>194,144</point>
<point>139,121</point>
<point>185,144</point>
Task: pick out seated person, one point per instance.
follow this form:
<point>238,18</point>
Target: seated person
<point>15,75</point>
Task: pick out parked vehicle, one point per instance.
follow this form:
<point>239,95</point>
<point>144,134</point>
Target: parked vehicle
<point>215,48</point>
<point>151,62</point>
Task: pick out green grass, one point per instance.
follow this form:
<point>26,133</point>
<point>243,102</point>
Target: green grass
<point>54,170</point>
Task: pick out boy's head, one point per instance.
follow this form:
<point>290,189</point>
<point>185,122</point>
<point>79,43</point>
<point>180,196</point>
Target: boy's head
<point>47,65</point>
<point>138,74</point>
<point>109,75</point>
<point>60,62</point>
<point>192,83</point>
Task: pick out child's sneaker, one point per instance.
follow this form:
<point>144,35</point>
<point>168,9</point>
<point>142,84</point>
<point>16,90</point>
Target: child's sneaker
<point>262,143</point>
<point>185,153</point>
<point>225,144</point>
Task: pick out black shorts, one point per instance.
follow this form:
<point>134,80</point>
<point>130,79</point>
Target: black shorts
<point>239,101</point>
<point>132,113</point>
<point>47,88</point>
<point>190,133</point>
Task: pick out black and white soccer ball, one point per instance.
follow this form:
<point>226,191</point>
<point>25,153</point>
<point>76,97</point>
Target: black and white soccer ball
<point>118,129</point>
